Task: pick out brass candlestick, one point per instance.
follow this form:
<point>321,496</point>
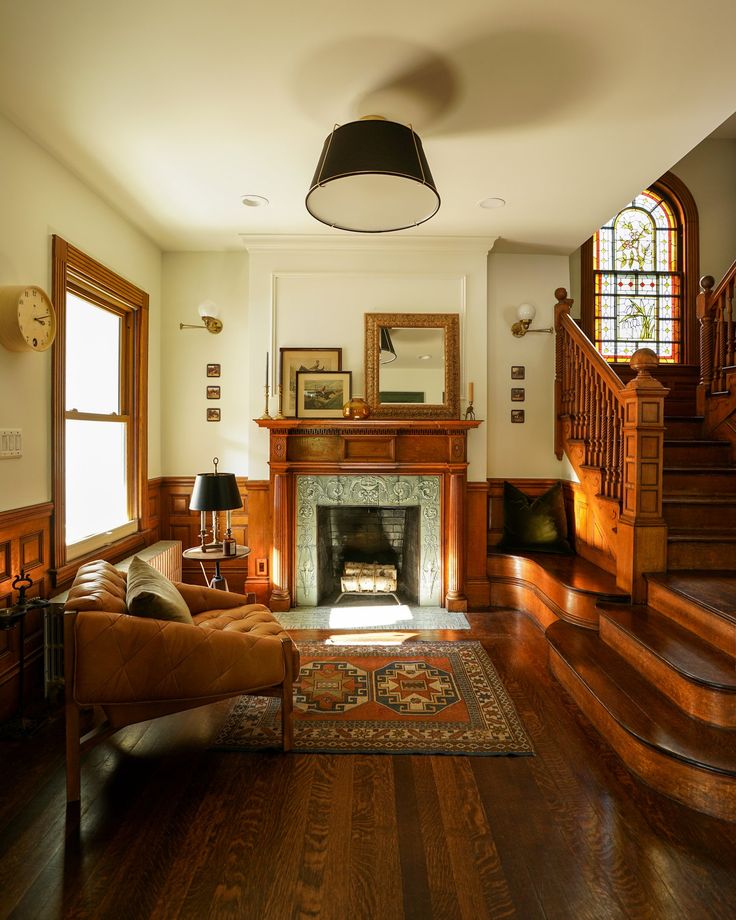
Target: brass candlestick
<point>281,402</point>
<point>266,413</point>
<point>470,413</point>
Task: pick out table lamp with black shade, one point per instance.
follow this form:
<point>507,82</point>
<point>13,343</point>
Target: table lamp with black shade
<point>215,492</point>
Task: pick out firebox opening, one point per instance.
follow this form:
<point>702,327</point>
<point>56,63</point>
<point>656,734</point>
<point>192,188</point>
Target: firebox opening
<point>358,534</point>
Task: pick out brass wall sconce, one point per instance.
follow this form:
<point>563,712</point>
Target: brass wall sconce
<point>526,313</point>
<point>208,314</point>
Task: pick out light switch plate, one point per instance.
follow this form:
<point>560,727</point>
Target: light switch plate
<point>11,443</point>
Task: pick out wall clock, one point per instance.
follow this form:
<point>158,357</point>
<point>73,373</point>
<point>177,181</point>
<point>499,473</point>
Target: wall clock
<point>27,318</point>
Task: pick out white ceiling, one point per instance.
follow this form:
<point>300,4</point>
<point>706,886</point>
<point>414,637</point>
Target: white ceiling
<point>174,109</point>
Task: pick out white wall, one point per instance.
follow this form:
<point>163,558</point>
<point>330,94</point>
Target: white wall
<point>709,171</point>
<point>189,440</point>
<point>39,198</point>
<point>516,450</point>
<point>314,292</point>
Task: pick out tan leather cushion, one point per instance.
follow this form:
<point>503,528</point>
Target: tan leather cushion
<point>151,594</point>
<point>98,586</point>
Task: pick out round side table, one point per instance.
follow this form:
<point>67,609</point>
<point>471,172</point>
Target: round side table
<point>216,556</point>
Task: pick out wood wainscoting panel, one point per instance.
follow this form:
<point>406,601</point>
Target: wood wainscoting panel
<point>477,586</point>
<point>249,525</point>
<point>25,542</point>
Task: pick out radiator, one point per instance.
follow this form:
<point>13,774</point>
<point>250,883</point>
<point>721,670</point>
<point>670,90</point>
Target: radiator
<point>164,556</point>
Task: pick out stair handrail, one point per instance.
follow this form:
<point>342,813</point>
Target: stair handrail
<point>715,311</point>
<point>593,412</point>
<point>598,422</point>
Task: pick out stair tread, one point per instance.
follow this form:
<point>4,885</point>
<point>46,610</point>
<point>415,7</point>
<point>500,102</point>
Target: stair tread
<point>638,707</point>
<point>713,590</point>
<point>696,442</point>
<point>690,498</point>
<point>681,649</point>
<point>573,572</point>
<point>700,469</point>
<point>702,535</point>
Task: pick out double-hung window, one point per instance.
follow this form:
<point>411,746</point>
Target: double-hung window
<point>99,408</point>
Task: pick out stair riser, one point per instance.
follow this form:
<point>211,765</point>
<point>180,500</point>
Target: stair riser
<point>700,483</point>
<point>707,625</point>
<point>683,428</point>
<point>697,455</point>
<point>701,555</point>
<point>708,792</point>
<point>708,704</point>
<point>684,515</point>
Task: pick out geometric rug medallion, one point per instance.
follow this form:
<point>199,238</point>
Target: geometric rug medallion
<point>423,697</point>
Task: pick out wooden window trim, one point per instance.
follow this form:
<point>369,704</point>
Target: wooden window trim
<point>75,270</point>
<point>683,203</point>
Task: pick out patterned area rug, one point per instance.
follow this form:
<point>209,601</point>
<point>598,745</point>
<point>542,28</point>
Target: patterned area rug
<point>426,697</point>
<point>394,616</point>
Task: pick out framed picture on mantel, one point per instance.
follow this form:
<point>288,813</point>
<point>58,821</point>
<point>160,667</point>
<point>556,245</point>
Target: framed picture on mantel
<point>294,360</point>
<point>322,394</point>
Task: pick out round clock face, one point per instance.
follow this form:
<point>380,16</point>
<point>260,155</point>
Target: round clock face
<point>27,318</point>
<point>36,319</point>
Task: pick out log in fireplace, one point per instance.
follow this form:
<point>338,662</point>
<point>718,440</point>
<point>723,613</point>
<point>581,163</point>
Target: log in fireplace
<point>373,464</point>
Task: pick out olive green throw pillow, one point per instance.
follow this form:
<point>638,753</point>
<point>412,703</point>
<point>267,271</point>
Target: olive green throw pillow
<point>151,594</point>
<point>534,524</point>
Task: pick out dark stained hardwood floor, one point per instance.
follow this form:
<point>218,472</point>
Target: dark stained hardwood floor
<point>171,830</point>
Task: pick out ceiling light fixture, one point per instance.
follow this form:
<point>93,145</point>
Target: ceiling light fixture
<point>491,203</point>
<point>372,177</point>
<point>254,201</point>
<point>388,351</point>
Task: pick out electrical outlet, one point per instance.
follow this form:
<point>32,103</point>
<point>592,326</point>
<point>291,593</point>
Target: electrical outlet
<point>11,443</point>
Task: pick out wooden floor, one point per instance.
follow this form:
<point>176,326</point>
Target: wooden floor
<point>169,829</point>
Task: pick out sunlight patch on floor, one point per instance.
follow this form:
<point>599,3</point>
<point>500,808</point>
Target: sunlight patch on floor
<point>370,638</point>
<point>370,615</point>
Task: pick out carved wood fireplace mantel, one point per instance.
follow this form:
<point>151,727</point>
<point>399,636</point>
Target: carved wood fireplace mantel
<point>374,447</point>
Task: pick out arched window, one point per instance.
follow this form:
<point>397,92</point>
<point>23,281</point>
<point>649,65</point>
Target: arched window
<point>640,293</point>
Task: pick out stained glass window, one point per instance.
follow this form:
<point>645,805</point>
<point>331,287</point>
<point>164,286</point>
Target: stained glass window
<point>637,275</point>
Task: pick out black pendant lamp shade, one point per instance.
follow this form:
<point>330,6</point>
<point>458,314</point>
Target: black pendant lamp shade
<point>372,177</point>
<point>215,492</point>
<point>388,352</point>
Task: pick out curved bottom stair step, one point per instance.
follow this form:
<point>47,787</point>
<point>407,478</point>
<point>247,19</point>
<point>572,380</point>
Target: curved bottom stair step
<point>695,675</point>
<point>551,586</point>
<point>686,759</point>
<point>702,601</point>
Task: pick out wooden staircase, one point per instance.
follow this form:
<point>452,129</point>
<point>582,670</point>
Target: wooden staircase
<point>657,677</point>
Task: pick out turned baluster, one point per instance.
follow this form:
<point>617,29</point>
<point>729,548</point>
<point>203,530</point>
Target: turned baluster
<point>577,429</point>
<point>704,309</point>
<point>729,328</point>
<point>608,463</point>
<point>587,427</point>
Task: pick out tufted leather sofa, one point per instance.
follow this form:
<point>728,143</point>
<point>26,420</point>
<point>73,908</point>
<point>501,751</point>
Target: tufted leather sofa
<point>133,668</point>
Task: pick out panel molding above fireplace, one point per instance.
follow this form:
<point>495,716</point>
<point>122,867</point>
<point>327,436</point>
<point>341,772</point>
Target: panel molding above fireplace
<point>391,452</point>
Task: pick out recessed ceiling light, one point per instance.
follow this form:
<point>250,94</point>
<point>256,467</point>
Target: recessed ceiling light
<point>492,203</point>
<point>424,357</point>
<point>254,201</point>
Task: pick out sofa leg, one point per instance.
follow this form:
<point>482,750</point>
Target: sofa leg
<point>73,768</point>
<point>287,698</point>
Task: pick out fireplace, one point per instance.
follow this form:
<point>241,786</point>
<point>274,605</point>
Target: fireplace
<point>393,519</point>
<point>366,551</point>
<point>403,472</point>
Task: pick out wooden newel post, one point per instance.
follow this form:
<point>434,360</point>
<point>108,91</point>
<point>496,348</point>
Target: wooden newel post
<point>642,544</point>
<point>563,305</point>
<point>704,310</point>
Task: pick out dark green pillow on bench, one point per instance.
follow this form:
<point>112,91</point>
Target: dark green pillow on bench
<point>534,525</point>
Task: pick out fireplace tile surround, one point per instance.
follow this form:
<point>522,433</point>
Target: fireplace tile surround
<point>374,491</point>
<point>372,462</point>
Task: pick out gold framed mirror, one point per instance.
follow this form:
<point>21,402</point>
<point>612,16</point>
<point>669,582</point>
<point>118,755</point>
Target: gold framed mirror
<point>412,365</point>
